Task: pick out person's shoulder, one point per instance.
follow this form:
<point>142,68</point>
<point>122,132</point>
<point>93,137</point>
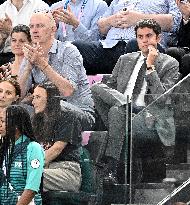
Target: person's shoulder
<point>34,146</point>
<point>166,57</point>
<point>38,3</point>
<point>3,5</point>
<point>114,3</point>
<point>57,4</point>
<point>129,56</point>
<point>100,2</point>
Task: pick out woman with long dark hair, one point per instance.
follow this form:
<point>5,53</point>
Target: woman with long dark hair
<point>60,134</point>
<point>22,159</point>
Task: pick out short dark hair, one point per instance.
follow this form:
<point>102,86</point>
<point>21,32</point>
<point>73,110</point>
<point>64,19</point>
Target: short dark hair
<point>148,23</point>
<point>22,28</point>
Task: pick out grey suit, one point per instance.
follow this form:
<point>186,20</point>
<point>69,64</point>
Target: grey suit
<point>111,103</point>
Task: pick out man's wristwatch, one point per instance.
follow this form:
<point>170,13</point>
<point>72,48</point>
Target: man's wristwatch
<point>186,20</point>
<point>152,67</point>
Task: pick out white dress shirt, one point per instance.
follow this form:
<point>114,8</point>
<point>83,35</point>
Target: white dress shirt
<point>131,84</point>
<point>23,15</point>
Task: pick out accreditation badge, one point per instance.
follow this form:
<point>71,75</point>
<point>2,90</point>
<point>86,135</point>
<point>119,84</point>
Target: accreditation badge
<point>35,163</point>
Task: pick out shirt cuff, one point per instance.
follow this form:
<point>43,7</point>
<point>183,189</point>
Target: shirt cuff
<point>150,71</point>
<point>186,21</point>
<point>81,29</point>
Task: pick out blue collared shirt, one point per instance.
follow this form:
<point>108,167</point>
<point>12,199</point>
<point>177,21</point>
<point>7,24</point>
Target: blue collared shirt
<point>88,28</point>
<point>145,6</point>
<point>66,60</point>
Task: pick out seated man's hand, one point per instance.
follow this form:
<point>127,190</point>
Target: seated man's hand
<point>129,18</point>
<point>117,20</point>
<point>124,19</point>
<point>67,16</point>
<point>152,55</point>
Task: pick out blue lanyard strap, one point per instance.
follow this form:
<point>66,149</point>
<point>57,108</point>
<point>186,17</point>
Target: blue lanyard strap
<point>66,4</point>
<point>68,1</point>
<point>83,5</point>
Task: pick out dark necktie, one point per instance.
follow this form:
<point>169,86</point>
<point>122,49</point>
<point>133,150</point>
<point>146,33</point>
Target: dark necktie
<point>139,81</point>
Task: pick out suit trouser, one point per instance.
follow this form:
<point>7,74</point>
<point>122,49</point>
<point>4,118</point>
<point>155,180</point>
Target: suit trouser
<point>111,105</point>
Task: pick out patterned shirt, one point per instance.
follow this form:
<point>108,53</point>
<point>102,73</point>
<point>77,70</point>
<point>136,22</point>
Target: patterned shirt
<point>87,29</point>
<point>66,60</point>
<point>144,6</point>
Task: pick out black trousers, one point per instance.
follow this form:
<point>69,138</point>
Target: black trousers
<point>182,55</point>
<point>97,59</point>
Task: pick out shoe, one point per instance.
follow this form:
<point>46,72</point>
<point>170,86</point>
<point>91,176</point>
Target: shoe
<point>110,179</point>
<point>169,154</point>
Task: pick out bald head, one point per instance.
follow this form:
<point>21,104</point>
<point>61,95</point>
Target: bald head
<point>47,18</point>
<point>42,27</point>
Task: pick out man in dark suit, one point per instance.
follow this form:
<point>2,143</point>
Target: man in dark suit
<point>135,75</point>
<point>182,51</point>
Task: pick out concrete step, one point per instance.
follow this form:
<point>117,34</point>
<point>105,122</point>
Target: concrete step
<point>143,193</point>
<point>181,193</point>
<point>151,193</point>
<point>181,172</point>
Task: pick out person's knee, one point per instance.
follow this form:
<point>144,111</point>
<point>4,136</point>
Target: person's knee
<point>117,112</point>
<point>94,89</point>
<point>78,43</point>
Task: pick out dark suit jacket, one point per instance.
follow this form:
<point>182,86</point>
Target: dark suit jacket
<point>159,81</point>
<point>183,35</point>
<point>165,76</point>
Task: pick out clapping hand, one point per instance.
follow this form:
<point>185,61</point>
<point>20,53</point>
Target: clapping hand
<point>5,72</point>
<point>6,24</point>
<point>34,54</point>
<point>66,16</point>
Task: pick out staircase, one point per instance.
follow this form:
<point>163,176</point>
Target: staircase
<point>163,193</point>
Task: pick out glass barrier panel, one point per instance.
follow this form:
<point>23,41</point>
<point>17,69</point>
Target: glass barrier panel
<point>159,144</point>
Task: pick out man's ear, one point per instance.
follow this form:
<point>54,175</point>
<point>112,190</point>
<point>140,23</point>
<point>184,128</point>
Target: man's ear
<point>16,98</point>
<point>159,38</point>
<point>54,28</point>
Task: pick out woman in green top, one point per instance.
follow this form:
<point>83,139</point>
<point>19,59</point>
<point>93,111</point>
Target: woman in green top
<point>22,159</point>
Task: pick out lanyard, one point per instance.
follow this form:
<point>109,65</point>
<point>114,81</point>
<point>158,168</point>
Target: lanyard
<point>79,15</point>
<point>81,9</point>
<point>66,4</point>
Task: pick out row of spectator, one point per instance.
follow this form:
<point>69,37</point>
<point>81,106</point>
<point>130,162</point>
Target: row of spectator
<point>41,57</point>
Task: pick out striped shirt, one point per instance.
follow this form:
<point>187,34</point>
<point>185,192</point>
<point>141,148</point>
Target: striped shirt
<point>88,28</point>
